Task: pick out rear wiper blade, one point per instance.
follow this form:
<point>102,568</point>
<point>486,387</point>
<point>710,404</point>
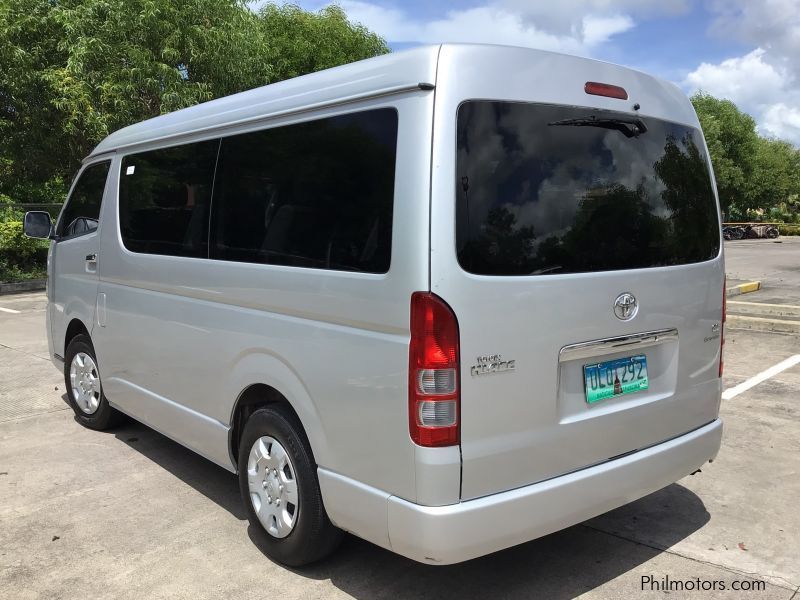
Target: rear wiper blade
<point>547,270</point>
<point>627,127</point>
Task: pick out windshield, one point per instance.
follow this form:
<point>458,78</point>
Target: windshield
<point>558,189</point>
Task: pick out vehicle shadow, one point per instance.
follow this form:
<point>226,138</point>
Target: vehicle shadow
<point>562,565</point>
<point>211,480</point>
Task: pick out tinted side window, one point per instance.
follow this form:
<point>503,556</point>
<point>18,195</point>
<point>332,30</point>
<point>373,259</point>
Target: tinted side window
<point>164,197</point>
<point>317,194</point>
<point>82,211</point>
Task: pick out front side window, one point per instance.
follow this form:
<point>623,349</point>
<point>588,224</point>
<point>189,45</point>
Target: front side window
<point>317,194</point>
<point>562,189</point>
<point>82,212</point>
<point>164,197</point>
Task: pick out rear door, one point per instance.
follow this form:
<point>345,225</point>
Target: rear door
<point>577,240</point>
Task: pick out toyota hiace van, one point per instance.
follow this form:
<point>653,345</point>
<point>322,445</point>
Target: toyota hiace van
<point>450,299</point>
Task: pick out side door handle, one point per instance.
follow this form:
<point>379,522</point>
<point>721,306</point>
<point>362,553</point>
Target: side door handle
<point>91,263</point>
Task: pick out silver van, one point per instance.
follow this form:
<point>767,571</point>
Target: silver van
<point>450,299</point>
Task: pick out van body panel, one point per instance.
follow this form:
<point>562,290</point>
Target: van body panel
<point>202,331</point>
<point>442,535</point>
<point>348,84</point>
<point>438,475</point>
<point>355,507</point>
<point>72,294</point>
<point>181,338</point>
<point>205,436</point>
<point>533,423</point>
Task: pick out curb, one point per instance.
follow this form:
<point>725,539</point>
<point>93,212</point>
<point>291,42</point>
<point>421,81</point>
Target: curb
<point>32,285</point>
<point>743,288</point>
<point>760,309</point>
<point>762,324</point>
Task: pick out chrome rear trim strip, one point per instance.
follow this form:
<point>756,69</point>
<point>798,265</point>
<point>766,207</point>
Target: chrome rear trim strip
<point>635,341</point>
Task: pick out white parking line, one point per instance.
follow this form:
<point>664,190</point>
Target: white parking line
<point>9,310</point>
<point>763,376</point>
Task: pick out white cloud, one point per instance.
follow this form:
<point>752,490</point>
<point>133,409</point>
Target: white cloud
<point>766,81</point>
<point>748,80</point>
<point>598,30</point>
<point>770,24</point>
<point>498,22</point>
<point>563,16</point>
<point>782,121</point>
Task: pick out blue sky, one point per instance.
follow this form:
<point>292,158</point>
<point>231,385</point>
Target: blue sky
<point>744,50</point>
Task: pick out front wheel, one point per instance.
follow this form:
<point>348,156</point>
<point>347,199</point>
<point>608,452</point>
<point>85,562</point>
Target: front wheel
<point>772,233</point>
<point>280,490</point>
<point>84,389</point>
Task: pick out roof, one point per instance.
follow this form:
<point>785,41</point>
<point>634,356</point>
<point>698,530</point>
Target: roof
<point>390,73</point>
<point>406,71</point>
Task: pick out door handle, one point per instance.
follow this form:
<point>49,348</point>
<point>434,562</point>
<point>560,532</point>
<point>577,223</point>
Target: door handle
<point>91,263</point>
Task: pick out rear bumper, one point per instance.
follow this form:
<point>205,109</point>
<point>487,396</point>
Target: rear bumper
<point>459,532</point>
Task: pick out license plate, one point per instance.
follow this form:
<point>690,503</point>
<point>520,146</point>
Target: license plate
<point>615,378</point>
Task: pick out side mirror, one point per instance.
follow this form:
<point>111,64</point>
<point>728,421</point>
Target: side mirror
<point>37,224</point>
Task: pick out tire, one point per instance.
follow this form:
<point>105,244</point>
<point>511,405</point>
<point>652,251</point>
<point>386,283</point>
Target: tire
<point>91,407</point>
<point>772,233</point>
<point>273,453</point>
<point>737,233</point>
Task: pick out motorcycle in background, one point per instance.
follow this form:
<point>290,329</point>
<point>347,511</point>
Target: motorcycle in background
<point>749,231</point>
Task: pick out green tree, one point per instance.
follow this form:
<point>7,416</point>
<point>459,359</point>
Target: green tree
<point>303,42</point>
<point>732,142</point>
<point>775,178</point>
<point>20,257</point>
<point>72,71</point>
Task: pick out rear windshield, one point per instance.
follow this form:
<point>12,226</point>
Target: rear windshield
<point>557,189</point>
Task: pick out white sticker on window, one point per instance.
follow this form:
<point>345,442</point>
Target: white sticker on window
<point>130,170</point>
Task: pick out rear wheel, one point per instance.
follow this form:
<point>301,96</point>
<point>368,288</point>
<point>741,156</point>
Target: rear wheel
<point>772,233</point>
<point>84,389</point>
<point>280,490</point>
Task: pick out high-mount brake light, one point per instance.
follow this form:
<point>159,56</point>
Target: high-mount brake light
<point>433,372</point>
<point>605,89</point>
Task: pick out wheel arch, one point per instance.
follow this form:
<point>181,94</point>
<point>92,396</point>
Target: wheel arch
<point>259,378</point>
<point>76,327</point>
<point>257,395</point>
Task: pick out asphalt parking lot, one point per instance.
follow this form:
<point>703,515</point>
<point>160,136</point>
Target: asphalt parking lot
<point>775,263</point>
<point>131,514</point>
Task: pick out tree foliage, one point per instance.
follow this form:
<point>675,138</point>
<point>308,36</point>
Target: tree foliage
<point>775,177</point>
<point>20,257</point>
<point>304,42</point>
<point>752,172</point>
<point>72,71</point>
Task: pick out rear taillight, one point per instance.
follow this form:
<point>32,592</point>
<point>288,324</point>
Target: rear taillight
<point>433,372</point>
<point>722,325</point>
